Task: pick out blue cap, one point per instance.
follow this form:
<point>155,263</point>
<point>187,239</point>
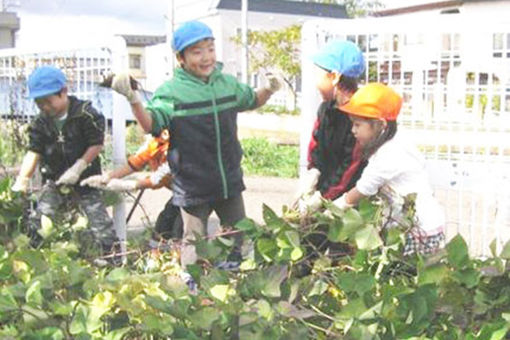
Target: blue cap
<point>341,56</point>
<point>45,80</point>
<point>189,33</point>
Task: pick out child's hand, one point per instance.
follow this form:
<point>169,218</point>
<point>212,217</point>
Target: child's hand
<point>121,83</point>
<point>21,185</point>
<point>96,181</point>
<point>341,203</point>
<point>274,82</point>
<point>72,175</point>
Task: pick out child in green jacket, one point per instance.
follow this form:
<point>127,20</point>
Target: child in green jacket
<point>199,106</point>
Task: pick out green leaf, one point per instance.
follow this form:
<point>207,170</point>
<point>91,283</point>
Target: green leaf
<point>505,252</point>
<point>101,304</point>
<point>204,318</point>
<point>46,227</point>
<point>355,282</point>
<point>267,248</point>
<point>117,275</point>
<point>33,295</point>
<point>48,333</point>
<point>7,302</point>
<point>274,277</point>
<point>296,254</point>
<point>273,222</point>
<point>80,224</point>
<point>335,233</point>
<point>248,264</point>
<point>457,251</point>
<point>319,288</point>
<point>470,277</point>
<point>117,334</point>
<point>264,309</point>
<point>221,292</point>
<point>368,238</point>
<point>433,274</point>
<point>352,219</point>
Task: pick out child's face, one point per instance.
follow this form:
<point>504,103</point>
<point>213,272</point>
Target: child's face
<point>199,59</point>
<point>54,105</point>
<point>366,130</point>
<point>325,83</point>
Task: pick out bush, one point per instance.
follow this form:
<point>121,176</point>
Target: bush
<point>264,158</point>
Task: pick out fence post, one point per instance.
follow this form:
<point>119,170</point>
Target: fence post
<point>120,106</point>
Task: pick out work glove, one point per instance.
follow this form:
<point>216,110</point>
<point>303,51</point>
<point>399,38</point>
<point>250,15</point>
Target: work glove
<point>121,84</point>
<point>310,203</point>
<point>21,184</point>
<point>307,185</point>
<point>161,172</point>
<point>341,203</point>
<point>274,82</point>
<point>72,175</point>
<point>96,181</point>
<point>121,185</point>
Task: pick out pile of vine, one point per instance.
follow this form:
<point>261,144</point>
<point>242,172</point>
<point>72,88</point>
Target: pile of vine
<point>332,276</point>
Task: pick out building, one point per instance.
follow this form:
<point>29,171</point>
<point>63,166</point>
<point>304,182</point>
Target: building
<point>480,9</point>
<point>9,25</point>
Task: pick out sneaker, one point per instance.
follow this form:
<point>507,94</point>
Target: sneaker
<point>190,282</point>
<point>232,263</point>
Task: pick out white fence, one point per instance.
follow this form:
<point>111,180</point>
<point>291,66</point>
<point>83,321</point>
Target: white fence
<point>454,78</point>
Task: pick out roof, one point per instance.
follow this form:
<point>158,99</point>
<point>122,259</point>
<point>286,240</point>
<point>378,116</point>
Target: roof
<point>143,40</point>
<point>288,7</point>
<point>425,7</point>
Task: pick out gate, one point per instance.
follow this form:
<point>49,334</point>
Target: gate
<point>454,77</point>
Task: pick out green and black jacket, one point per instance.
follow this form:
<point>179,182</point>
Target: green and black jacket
<point>205,153</point>
<point>59,150</point>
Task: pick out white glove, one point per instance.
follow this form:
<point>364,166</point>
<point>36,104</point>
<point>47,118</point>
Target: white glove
<point>307,185</point>
<point>21,184</point>
<point>96,181</point>
<point>274,82</point>
<point>310,203</point>
<point>72,175</point>
<point>157,176</point>
<point>121,83</point>
<point>121,185</point>
<point>341,203</point>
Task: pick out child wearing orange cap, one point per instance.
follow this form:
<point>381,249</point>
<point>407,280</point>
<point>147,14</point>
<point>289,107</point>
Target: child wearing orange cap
<point>395,169</point>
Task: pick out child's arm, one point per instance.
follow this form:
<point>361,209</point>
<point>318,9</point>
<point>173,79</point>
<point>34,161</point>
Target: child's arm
<point>121,84</point>
<point>26,171</point>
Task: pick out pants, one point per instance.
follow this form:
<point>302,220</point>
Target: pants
<point>52,203</point>
<point>229,211</point>
<point>169,222</point>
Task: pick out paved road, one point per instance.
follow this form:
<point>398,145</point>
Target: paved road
<point>272,191</point>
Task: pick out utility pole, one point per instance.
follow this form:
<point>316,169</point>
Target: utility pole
<point>170,35</point>
<point>244,41</point>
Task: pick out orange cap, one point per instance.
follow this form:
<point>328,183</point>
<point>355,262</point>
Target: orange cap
<point>374,100</point>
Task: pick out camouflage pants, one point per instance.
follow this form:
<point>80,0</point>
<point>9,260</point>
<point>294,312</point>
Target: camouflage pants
<point>52,203</point>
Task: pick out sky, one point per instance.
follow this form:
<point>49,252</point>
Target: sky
<point>55,23</point>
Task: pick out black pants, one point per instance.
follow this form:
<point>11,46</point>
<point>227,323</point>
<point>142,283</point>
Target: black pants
<point>169,222</point>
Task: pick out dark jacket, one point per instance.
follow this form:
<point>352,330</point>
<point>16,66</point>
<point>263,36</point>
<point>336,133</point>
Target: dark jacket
<point>59,150</point>
<point>334,152</point>
<point>205,153</point>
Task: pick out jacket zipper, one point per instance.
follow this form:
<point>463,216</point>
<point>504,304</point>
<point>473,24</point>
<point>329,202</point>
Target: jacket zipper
<point>218,144</point>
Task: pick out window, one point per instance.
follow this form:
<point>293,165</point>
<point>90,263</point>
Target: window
<point>135,61</point>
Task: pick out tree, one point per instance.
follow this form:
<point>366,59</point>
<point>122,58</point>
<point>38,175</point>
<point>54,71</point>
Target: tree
<point>355,8</point>
<point>276,51</point>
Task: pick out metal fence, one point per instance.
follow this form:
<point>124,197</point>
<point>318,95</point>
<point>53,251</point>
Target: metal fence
<point>454,78</point>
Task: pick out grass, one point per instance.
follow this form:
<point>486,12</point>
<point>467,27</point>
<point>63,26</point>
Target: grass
<point>264,158</point>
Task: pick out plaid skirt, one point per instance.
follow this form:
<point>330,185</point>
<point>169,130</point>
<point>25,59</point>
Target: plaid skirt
<point>423,244</point>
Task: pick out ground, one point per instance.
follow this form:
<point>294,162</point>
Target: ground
<point>272,191</point>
